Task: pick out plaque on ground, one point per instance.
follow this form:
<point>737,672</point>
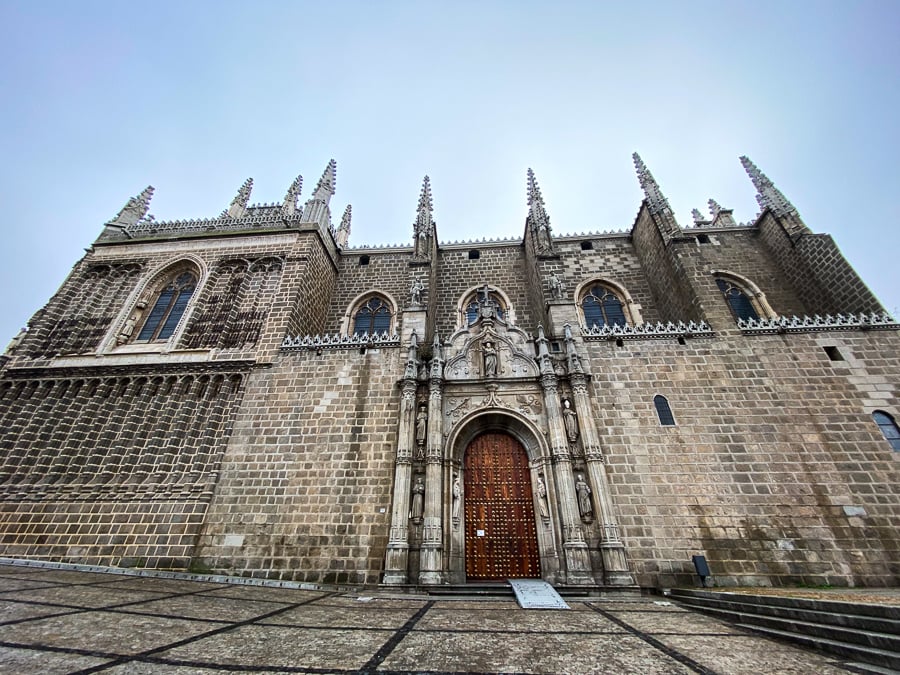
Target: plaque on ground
<point>536,594</point>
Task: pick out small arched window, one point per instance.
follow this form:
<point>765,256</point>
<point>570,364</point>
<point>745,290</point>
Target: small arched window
<point>889,428</point>
<point>663,411</point>
<point>602,307</point>
<point>374,316</point>
<point>472,307</point>
<point>738,301</point>
<point>168,309</point>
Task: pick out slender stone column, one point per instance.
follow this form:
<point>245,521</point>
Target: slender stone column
<point>395,563</point>
<point>431,559</point>
<point>574,545</point>
<point>615,564</point>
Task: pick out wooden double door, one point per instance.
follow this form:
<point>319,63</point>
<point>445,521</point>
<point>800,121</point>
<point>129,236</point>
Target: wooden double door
<point>501,539</point>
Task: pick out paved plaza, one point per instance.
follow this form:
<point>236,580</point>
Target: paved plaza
<point>66,621</point>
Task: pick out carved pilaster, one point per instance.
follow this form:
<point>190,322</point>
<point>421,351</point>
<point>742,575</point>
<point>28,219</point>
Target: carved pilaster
<point>574,545</point>
<point>431,560</point>
<point>395,564</point>
<point>615,564</point>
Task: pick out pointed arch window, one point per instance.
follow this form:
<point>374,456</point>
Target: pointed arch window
<point>168,309</point>
<point>602,307</point>
<point>738,301</point>
<point>373,316</point>
<point>663,411</point>
<point>471,309</point>
<point>889,428</point>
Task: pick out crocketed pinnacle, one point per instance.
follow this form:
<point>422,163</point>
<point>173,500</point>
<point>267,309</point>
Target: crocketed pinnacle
<point>714,207</point>
<point>242,198</point>
<point>536,210</point>
<point>768,196</point>
<point>345,220</point>
<point>289,206</point>
<point>327,183</point>
<point>425,208</point>
<point>655,198</point>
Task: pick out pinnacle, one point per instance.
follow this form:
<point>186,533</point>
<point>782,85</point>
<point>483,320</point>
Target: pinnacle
<point>345,219</point>
<point>328,181</point>
<point>534,190</point>
<point>425,202</point>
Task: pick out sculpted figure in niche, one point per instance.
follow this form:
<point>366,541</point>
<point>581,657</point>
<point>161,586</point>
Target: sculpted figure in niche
<point>415,291</point>
<point>556,286</point>
<point>128,329</point>
<point>490,359</point>
<point>542,498</point>
<point>456,495</point>
<point>421,427</point>
<point>571,420</point>
<point>418,500</point>
<point>584,498</point>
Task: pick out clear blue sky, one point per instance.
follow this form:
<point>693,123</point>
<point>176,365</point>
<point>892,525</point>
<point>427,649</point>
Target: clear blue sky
<point>101,99</point>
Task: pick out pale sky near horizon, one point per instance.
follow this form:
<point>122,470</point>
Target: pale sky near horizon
<point>101,99</point>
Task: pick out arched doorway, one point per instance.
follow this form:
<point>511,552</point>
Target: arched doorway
<point>501,540</point>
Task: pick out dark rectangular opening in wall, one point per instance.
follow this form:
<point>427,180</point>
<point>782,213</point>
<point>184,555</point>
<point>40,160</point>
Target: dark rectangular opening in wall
<point>555,347</point>
<point>833,353</point>
<point>474,254</point>
<point>363,260</point>
<point>703,238</point>
<point>587,246</point>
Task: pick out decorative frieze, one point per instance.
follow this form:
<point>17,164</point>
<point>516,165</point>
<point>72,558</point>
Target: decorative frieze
<point>653,331</point>
<point>338,341</point>
<point>816,323</point>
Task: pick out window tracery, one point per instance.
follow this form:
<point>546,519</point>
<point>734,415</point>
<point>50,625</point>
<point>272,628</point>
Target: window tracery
<point>171,302</point>
<point>602,306</point>
<point>373,316</point>
<point>738,301</point>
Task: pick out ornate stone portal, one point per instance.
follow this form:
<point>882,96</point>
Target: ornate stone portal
<point>491,380</point>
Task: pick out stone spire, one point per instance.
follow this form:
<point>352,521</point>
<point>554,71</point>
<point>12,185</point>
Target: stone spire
<point>721,217</point>
<point>699,219</point>
<point>423,228</point>
<point>135,209</point>
<point>538,219</point>
<point>316,209</point>
<point>238,206</point>
<point>289,206</point>
<point>768,196</point>
<point>343,231</point>
<point>657,203</point>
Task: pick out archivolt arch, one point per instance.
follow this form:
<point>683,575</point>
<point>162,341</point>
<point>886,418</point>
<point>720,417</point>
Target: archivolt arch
<point>360,300</point>
<point>630,308</point>
<point>751,290</point>
<point>508,421</point>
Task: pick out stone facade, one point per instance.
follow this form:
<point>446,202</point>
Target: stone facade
<point>250,395</point>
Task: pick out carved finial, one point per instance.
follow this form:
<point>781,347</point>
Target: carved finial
<point>289,207</point>
<point>343,231</point>
<point>714,208</point>
<point>656,201</point>
<point>424,225</point>
<point>698,217</point>
<point>238,206</point>
<point>538,218</point>
<point>327,183</point>
<point>768,196</point>
<point>134,209</point>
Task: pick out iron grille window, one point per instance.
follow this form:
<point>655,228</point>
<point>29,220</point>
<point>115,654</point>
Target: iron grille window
<point>373,317</point>
<point>602,307</point>
<point>740,304</point>
<point>889,428</point>
<point>169,308</point>
<point>663,411</point>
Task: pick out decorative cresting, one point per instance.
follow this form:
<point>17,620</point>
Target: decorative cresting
<point>397,556</point>
<point>653,331</point>
<point>490,348</point>
<point>424,227</point>
<point>338,341</point>
<point>578,569</point>
<point>615,564</point>
<point>538,219</point>
<point>816,323</point>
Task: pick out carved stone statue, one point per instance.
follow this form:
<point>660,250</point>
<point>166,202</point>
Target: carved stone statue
<point>456,496</point>
<point>490,359</point>
<point>415,291</point>
<point>128,328</point>
<point>570,418</point>
<point>421,426</point>
<point>584,498</point>
<point>542,498</point>
<point>418,500</point>
<point>556,286</point>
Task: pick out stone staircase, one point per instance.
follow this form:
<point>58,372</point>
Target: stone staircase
<point>865,633</point>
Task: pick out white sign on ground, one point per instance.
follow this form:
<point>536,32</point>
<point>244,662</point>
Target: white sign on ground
<point>536,594</point>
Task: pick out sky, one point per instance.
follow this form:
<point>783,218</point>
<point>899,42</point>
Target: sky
<point>101,99</point>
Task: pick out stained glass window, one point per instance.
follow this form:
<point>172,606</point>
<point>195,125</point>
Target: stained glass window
<point>168,309</point>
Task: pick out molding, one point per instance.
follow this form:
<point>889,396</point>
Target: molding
<point>338,341</point>
<point>816,323</point>
<point>653,331</point>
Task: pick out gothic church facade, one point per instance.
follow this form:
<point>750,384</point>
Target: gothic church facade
<point>250,395</point>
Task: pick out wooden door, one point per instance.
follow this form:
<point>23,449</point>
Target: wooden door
<point>501,540</point>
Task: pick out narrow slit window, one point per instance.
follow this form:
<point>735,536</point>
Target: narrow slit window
<point>663,411</point>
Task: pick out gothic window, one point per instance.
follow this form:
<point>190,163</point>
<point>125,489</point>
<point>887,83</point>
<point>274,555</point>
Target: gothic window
<point>888,427</point>
<point>663,411</point>
<point>169,308</point>
<point>373,316</point>
<point>738,301</point>
<point>602,307</point>
<point>471,307</point>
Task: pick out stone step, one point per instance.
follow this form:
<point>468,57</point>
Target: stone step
<point>837,606</point>
<point>835,614</point>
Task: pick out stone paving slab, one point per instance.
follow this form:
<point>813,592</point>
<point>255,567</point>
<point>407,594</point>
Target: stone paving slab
<point>89,622</point>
